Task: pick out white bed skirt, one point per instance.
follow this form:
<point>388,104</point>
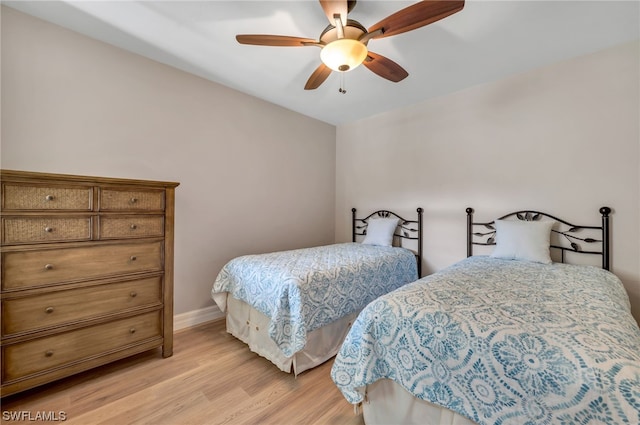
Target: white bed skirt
<point>389,404</point>
<point>250,326</point>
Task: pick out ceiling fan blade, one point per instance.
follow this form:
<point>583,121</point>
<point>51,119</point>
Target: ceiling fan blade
<point>416,16</point>
<point>335,7</point>
<point>319,75</point>
<point>385,67</point>
<point>273,40</point>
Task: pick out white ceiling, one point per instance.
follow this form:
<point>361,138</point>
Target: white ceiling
<point>486,41</point>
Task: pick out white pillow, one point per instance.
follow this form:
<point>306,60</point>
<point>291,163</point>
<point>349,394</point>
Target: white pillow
<point>380,231</point>
<point>523,240</point>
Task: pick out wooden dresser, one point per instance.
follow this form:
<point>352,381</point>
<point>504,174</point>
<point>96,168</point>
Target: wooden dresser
<point>87,273</point>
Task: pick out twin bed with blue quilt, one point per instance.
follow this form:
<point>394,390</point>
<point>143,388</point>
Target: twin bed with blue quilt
<point>506,338</point>
<point>295,307</point>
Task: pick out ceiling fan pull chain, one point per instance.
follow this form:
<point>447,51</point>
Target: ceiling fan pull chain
<point>342,89</point>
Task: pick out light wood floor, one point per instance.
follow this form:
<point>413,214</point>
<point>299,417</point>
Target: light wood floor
<point>212,378</point>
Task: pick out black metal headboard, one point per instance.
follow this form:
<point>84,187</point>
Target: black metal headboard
<point>407,229</point>
<point>569,235</point>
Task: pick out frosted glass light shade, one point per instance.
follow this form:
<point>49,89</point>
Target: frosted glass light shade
<point>344,54</point>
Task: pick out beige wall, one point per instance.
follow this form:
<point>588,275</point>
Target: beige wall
<point>563,139</point>
<point>254,177</point>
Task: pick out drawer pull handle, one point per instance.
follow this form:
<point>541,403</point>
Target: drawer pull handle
<point>49,198</point>
<point>133,294</point>
<point>133,200</point>
<point>133,258</point>
<point>132,330</point>
<point>133,226</point>
<point>48,353</point>
<point>48,310</point>
<point>48,266</point>
<point>48,229</point>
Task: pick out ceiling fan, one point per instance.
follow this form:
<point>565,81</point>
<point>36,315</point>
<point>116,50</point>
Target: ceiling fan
<point>344,41</point>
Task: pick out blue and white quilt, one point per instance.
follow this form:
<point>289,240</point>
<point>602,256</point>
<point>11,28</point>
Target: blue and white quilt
<point>301,290</point>
<point>503,342</point>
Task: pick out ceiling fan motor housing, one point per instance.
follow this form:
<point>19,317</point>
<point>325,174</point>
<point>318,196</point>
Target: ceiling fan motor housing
<point>353,30</point>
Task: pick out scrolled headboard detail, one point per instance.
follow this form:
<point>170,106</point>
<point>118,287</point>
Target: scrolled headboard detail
<point>406,230</point>
<point>570,238</point>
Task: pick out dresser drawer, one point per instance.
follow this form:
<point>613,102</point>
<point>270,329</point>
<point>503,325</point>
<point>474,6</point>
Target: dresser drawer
<point>40,354</point>
<point>32,197</point>
<point>131,200</point>
<point>131,227</point>
<point>62,307</point>
<point>45,229</point>
<point>50,266</point>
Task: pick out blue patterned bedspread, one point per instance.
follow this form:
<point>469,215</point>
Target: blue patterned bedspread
<point>303,289</point>
<point>503,342</point>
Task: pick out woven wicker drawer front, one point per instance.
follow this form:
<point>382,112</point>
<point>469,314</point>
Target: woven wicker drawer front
<point>45,229</point>
<point>126,200</point>
<point>23,197</point>
<point>62,307</point>
<point>46,267</point>
<point>45,353</point>
<point>131,227</point>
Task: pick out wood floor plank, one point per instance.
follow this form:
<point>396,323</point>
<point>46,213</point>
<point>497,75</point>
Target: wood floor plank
<point>212,378</point>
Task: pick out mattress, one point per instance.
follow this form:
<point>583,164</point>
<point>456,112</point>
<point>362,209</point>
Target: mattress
<point>302,290</point>
<point>500,341</point>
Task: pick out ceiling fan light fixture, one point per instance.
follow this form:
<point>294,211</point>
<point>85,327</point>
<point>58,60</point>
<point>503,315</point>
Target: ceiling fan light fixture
<point>344,54</point>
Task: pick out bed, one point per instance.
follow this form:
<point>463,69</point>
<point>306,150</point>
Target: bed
<point>506,338</point>
<point>295,307</point>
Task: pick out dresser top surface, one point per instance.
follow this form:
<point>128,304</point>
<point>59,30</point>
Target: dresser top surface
<point>31,176</point>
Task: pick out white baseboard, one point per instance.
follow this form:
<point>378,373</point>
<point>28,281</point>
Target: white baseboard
<point>196,317</point>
